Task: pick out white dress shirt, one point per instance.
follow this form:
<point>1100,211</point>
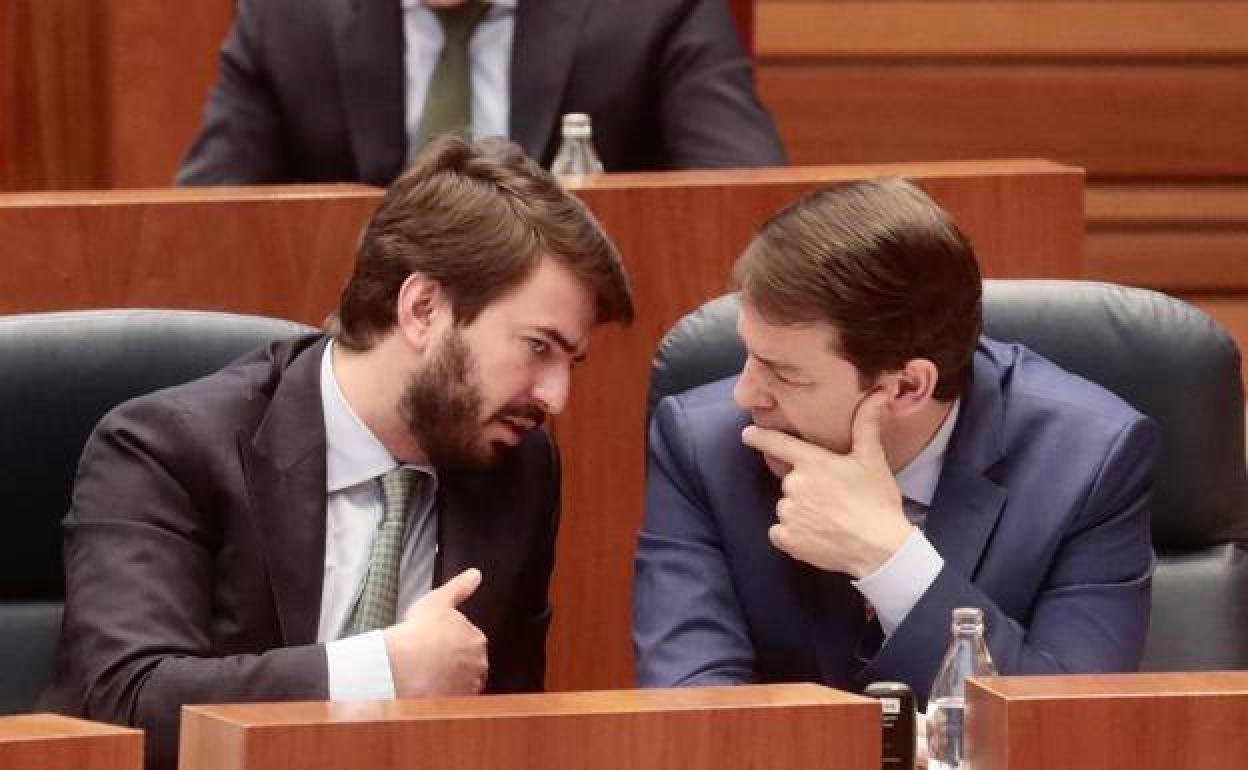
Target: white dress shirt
<point>489,51</point>
<point>358,665</point>
<point>900,582</point>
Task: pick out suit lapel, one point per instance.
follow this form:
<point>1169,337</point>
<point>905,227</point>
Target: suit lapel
<point>285,467</point>
<point>542,51</point>
<point>466,507</point>
<point>968,503</point>
<point>368,46</point>
<point>823,604</point>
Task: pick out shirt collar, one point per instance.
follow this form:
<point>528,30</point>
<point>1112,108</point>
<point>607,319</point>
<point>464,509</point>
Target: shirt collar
<point>353,454</point>
<point>919,478</point>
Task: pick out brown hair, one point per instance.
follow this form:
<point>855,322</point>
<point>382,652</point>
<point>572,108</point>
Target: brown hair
<point>477,218</point>
<point>882,263</point>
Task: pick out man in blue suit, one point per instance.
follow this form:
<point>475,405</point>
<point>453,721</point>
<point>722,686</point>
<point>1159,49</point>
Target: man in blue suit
<point>878,463</point>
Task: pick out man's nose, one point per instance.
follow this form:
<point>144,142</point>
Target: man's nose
<point>552,386</point>
<point>750,391</point>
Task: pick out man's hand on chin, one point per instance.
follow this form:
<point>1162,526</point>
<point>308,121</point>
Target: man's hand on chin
<point>837,512</point>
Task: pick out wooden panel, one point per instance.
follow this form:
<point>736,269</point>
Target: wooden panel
<point>161,66</point>
<point>726,728</point>
<point>53,742</point>
<point>1109,722</point>
<point>273,251</point>
<point>1116,121</point>
<point>1172,204</point>
<point>1169,259</point>
<point>1186,237</point>
<point>1004,29</point>
<point>53,96</point>
<point>9,84</point>
<point>286,252</point>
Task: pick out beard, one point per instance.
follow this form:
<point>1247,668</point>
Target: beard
<point>442,406</point>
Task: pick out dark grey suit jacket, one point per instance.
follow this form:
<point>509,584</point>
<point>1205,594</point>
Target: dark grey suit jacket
<point>313,90</point>
<point>195,551</point>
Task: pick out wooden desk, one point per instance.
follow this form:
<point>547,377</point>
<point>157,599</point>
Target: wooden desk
<point>53,742</point>
<point>731,728</point>
<point>1109,722</point>
<point>286,251</point>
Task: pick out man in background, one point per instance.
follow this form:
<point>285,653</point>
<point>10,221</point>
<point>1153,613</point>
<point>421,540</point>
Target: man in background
<point>365,514</point>
<point>878,463</point>
<point>335,91</point>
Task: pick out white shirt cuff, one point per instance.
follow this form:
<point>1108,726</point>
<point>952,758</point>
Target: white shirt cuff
<point>359,668</point>
<point>900,582</point>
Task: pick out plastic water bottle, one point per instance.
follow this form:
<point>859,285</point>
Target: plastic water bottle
<point>946,704</point>
<point>576,155</point>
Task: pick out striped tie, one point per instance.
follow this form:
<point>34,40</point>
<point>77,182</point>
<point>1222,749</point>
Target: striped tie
<point>378,601</point>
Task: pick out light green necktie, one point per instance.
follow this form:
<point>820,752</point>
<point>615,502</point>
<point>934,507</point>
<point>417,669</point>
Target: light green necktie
<point>377,606</point>
<point>448,102</point>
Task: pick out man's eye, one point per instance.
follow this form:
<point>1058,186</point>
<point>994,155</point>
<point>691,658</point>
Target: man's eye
<point>538,346</point>
<point>783,380</point>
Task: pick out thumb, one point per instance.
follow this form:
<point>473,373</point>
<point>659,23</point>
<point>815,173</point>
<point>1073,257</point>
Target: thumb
<point>459,588</point>
<point>866,428</point>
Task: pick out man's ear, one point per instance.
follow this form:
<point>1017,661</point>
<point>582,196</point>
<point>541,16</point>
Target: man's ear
<point>420,309</point>
<point>910,388</point>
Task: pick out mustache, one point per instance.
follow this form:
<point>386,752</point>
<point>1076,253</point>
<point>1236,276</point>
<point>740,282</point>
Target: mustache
<point>530,412</point>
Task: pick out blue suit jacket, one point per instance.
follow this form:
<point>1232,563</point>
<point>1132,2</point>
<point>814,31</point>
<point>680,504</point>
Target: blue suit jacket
<point>1041,515</point>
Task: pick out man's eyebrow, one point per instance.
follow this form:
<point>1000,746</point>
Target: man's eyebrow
<point>562,342</point>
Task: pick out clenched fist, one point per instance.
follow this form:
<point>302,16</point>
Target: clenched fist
<point>435,650</point>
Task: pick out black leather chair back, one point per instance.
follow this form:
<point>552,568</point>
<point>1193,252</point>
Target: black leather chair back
<point>1165,357</point>
<point>59,374</point>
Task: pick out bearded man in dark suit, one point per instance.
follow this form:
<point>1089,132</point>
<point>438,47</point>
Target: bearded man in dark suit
<point>369,513</point>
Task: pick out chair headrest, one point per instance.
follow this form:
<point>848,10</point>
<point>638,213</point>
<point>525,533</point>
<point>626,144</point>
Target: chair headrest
<point>62,373</point>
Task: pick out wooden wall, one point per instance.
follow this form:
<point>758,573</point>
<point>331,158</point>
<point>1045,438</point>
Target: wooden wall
<point>1150,97</point>
<point>103,93</point>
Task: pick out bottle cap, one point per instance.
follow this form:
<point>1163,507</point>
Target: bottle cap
<point>576,125</point>
<point>968,617</point>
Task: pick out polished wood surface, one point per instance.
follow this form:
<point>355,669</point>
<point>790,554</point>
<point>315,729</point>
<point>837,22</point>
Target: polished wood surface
<point>920,112</point>
<point>273,251</point>
<point>53,742</point>
<point>1188,721</point>
<point>797,725</point>
<point>101,94</point>
<point>287,251</point>
<point>53,95</point>
<point>1089,28</point>
<point>160,62</point>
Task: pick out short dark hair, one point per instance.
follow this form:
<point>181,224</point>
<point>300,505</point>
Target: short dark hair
<point>882,263</point>
<point>476,218</point>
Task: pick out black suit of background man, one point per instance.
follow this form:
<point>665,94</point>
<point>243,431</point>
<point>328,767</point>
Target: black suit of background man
<point>314,90</point>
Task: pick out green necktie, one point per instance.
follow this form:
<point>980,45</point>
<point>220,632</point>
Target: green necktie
<point>448,102</point>
<point>377,607</point>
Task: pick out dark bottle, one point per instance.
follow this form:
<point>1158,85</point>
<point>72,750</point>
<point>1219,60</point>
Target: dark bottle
<point>897,715</point>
